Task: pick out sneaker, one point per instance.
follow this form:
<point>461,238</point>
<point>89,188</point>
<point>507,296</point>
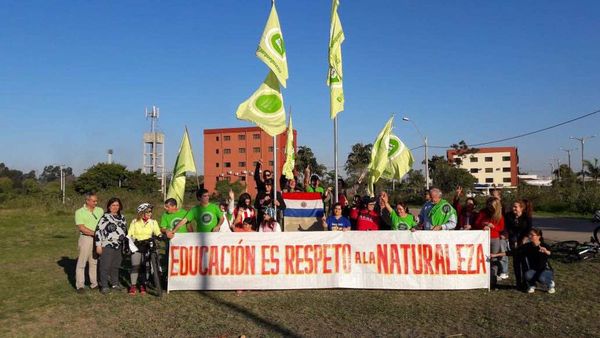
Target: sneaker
<point>142,289</point>
<point>105,291</point>
<point>503,276</point>
<point>132,290</point>
<point>80,291</point>
<point>117,287</point>
<point>551,287</point>
<point>531,289</point>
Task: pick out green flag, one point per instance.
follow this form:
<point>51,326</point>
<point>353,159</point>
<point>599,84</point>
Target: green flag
<point>400,159</point>
<point>336,74</point>
<point>379,155</point>
<point>290,161</point>
<point>271,48</point>
<point>265,107</point>
<point>183,164</point>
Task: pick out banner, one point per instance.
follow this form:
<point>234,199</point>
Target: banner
<point>436,260</point>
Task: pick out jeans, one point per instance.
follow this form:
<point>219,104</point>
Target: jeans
<point>110,262</point>
<point>498,245</point>
<point>545,277</point>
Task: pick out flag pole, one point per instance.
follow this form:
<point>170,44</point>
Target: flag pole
<point>335,157</point>
<point>275,174</point>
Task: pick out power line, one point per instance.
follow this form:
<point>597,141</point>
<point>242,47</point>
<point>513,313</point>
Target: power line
<point>522,135</point>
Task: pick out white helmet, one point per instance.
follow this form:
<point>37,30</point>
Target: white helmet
<point>143,207</point>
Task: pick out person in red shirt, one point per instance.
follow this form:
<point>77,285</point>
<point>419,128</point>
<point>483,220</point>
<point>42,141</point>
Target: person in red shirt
<point>491,219</point>
<point>368,218</point>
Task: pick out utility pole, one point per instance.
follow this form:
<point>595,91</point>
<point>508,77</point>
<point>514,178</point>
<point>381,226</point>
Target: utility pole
<point>582,141</point>
<point>568,151</point>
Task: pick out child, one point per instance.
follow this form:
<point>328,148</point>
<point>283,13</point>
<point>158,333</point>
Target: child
<point>269,223</point>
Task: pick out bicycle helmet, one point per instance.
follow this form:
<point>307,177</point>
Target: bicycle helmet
<point>143,207</point>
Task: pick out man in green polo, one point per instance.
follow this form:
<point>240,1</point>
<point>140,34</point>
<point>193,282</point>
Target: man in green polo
<point>208,216</point>
<point>441,215</point>
<point>86,219</point>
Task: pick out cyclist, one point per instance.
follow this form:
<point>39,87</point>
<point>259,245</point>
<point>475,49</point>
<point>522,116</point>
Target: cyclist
<point>143,227</point>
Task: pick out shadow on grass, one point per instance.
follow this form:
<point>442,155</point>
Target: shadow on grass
<point>68,265</point>
<point>250,315</point>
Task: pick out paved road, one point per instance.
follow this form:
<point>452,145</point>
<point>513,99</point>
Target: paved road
<point>564,228</point>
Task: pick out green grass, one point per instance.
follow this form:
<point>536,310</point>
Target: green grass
<point>38,251</point>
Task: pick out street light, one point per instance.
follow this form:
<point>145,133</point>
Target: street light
<point>582,141</point>
<point>406,119</point>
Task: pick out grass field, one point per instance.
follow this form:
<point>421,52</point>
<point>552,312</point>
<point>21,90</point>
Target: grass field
<point>37,297</point>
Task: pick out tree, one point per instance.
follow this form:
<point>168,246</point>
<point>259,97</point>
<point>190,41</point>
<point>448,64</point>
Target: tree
<point>305,157</point>
<point>6,185</point>
<point>222,188</point>
<point>52,173</point>
<point>462,149</point>
<point>104,176</point>
<point>592,169</point>
<point>16,176</point>
<point>357,161</point>
<point>136,180</point>
<point>447,177</point>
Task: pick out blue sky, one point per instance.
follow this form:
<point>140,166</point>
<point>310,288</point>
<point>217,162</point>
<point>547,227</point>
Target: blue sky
<point>75,76</point>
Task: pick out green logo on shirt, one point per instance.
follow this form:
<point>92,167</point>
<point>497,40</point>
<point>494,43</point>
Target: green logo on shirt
<point>206,218</point>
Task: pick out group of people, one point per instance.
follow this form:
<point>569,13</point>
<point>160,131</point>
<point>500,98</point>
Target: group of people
<point>104,233</point>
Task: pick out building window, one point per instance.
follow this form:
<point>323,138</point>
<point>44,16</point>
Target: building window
<point>227,164</point>
<point>256,136</point>
<point>226,151</point>
<point>271,163</point>
<point>217,164</point>
<point>488,159</point>
<point>242,150</point>
<point>241,137</point>
<point>474,170</point>
<point>474,159</point>
<point>256,149</point>
<point>241,164</point>
<point>226,138</point>
<point>505,158</point>
<point>506,169</point>
<point>506,180</point>
<point>489,180</point>
<point>243,178</point>
<point>254,163</point>
<point>217,138</point>
<point>217,151</point>
<point>271,149</point>
<point>489,170</point>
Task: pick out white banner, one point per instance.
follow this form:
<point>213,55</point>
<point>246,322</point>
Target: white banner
<point>441,260</point>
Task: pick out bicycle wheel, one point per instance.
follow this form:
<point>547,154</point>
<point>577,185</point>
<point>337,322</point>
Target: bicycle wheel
<point>597,234</point>
<point>155,273</point>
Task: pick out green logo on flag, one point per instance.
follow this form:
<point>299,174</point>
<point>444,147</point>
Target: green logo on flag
<point>277,43</point>
<point>394,147</point>
<point>268,103</point>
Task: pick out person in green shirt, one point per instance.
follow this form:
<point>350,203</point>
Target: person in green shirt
<point>171,218</point>
<point>207,216</point>
<point>402,219</point>
<point>86,219</point>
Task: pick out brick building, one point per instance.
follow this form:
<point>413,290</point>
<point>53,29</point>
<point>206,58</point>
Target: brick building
<point>231,154</point>
<point>492,167</point>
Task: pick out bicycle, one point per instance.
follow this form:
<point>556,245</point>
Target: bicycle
<point>574,251</point>
<point>149,250</point>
